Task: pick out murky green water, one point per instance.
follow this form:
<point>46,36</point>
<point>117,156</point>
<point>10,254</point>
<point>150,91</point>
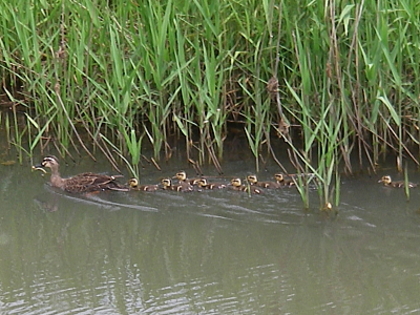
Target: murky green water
<point>215,252</point>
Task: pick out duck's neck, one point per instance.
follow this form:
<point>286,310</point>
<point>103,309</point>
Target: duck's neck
<point>55,179</point>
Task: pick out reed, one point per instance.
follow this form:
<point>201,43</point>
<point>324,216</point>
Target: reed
<point>120,75</point>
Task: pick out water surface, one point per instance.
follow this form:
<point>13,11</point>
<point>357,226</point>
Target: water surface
<point>212,252</point>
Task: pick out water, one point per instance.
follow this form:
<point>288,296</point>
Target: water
<point>212,252</point>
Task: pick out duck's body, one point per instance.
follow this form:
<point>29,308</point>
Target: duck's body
<point>183,186</point>
<point>204,184</point>
<point>387,181</point>
<point>252,180</point>
<point>84,182</point>
<point>236,184</point>
<point>181,176</point>
<point>134,185</point>
<point>282,181</point>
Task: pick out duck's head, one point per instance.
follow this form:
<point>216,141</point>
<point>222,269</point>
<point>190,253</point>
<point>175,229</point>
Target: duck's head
<point>133,182</point>
<point>236,182</point>
<point>252,179</point>
<point>49,161</point>
<point>181,175</point>
<point>166,182</point>
<point>386,180</point>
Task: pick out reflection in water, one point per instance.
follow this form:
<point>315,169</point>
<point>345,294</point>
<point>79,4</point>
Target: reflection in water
<point>214,252</point>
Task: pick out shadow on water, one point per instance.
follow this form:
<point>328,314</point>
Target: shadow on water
<point>209,252</point>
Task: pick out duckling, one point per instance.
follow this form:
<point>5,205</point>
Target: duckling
<point>84,182</point>
<point>183,186</point>
<point>204,183</point>
<point>387,181</point>
<point>134,185</point>
<point>282,181</point>
<point>252,179</point>
<point>181,176</point>
<point>236,184</point>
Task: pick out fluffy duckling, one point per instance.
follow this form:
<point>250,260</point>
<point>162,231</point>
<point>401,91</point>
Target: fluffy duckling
<point>252,179</point>
<point>283,181</point>
<point>181,176</point>
<point>236,184</point>
<point>134,185</point>
<point>204,183</point>
<point>81,183</point>
<point>387,181</point>
<point>183,186</point>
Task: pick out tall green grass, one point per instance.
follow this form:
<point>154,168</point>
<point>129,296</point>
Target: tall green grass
<point>122,75</point>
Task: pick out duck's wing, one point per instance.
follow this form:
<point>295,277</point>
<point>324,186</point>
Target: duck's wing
<point>86,182</point>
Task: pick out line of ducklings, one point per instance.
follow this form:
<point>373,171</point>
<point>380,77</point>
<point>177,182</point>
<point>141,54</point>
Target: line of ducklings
<point>252,184</point>
<point>186,184</point>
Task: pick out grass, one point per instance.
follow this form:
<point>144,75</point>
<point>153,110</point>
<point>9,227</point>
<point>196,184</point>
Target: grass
<point>120,75</point>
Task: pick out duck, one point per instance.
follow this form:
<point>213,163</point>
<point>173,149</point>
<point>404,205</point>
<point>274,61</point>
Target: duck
<point>252,180</point>
<point>134,185</point>
<point>181,176</point>
<point>283,181</point>
<point>81,183</point>
<point>204,183</point>
<point>236,184</point>
<point>387,181</point>
<point>183,186</point>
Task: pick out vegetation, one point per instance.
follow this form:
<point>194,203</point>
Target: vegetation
<point>332,79</point>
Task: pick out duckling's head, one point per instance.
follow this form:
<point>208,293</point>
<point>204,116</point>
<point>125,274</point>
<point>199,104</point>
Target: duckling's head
<point>252,179</point>
<point>166,182</point>
<point>181,175</point>
<point>133,182</point>
<point>279,177</point>
<point>236,182</point>
<point>386,180</point>
<point>202,182</point>
<point>196,181</point>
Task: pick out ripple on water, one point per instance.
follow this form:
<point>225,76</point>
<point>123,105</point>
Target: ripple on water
<point>47,296</point>
<point>42,298</point>
<point>269,208</point>
<point>203,296</point>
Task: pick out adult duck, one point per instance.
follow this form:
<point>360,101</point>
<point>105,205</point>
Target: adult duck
<point>84,182</point>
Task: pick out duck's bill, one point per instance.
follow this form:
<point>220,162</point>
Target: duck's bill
<point>38,168</point>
